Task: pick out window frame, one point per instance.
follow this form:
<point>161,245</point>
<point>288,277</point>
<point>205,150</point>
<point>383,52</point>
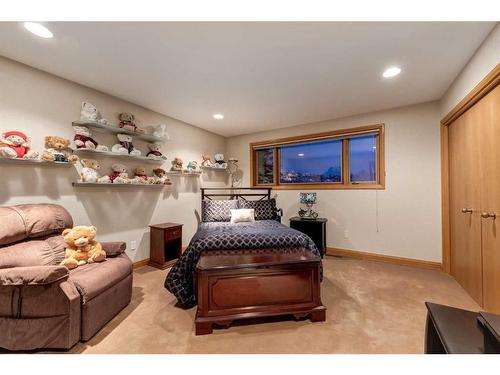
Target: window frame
<point>342,134</point>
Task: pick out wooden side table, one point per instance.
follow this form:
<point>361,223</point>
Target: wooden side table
<point>165,244</point>
<point>316,229</point>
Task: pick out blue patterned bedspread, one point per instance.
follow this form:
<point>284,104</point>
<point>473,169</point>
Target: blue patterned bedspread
<point>225,236</point>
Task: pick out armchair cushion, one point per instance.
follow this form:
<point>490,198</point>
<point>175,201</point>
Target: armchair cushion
<point>33,253</point>
<point>93,279</point>
<point>113,249</point>
<point>35,275</point>
<point>32,221</point>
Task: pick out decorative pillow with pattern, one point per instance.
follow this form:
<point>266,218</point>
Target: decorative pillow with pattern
<point>217,210</point>
<point>264,209</point>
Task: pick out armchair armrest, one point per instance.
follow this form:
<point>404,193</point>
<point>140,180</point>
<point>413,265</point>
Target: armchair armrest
<point>35,275</point>
<point>113,249</point>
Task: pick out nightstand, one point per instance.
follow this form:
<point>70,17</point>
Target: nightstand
<point>314,228</point>
<point>165,244</point>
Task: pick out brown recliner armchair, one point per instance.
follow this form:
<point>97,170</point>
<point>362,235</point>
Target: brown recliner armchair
<point>42,304</point>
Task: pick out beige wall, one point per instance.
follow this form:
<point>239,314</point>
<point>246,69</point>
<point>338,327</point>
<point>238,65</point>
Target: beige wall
<point>484,60</point>
<point>41,104</point>
<point>404,219</point>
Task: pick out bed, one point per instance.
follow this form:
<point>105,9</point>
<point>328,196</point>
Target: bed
<point>216,233</point>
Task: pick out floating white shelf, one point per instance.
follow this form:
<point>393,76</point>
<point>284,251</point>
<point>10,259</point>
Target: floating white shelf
<point>215,169</point>
<point>95,184</point>
<point>33,162</point>
<point>119,156</point>
<point>187,174</point>
<point>116,130</point>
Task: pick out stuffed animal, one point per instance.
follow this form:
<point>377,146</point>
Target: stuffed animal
<point>81,247</point>
<point>119,174</point>
<point>206,161</point>
<point>155,151</point>
<point>160,177</point>
<point>89,112</point>
<point>140,176</point>
<point>90,172</point>
<point>83,139</point>
<point>192,167</point>
<point>176,165</point>
<point>127,121</point>
<point>160,131</point>
<point>219,161</point>
<point>57,149</point>
<point>16,145</point>
<point>125,145</point>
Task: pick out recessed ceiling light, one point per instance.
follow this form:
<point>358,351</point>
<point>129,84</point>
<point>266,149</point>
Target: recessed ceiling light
<point>300,155</point>
<point>38,29</point>
<point>218,116</point>
<point>393,71</point>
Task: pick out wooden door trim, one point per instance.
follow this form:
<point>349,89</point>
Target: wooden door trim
<point>487,84</point>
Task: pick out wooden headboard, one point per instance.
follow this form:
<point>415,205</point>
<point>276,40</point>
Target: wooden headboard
<point>235,193</point>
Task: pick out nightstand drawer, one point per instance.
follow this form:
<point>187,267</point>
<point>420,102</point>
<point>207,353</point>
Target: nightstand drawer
<point>173,234</point>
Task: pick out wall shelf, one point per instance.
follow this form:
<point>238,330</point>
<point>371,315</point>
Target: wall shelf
<point>33,162</point>
<point>115,130</point>
<point>118,156</point>
<point>215,169</point>
<point>187,174</point>
<point>95,184</point>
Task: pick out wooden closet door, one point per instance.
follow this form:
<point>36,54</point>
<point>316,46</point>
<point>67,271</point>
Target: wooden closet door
<point>488,120</point>
<point>465,228</point>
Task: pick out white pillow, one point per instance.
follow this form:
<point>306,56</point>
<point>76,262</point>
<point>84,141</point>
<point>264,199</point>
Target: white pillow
<point>242,214</point>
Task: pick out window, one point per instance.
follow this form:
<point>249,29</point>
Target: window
<point>346,159</point>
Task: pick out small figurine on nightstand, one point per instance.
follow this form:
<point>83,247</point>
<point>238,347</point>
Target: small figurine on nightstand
<point>309,199</point>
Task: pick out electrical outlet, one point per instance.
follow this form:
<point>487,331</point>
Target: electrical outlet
<point>133,245</point>
<point>346,233</point>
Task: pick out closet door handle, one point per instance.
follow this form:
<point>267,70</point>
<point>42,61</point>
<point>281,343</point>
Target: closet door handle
<point>486,215</point>
<point>466,210</point>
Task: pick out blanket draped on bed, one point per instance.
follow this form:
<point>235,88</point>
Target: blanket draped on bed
<point>225,236</point>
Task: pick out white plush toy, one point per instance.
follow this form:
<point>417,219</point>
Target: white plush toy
<point>125,145</point>
<point>89,112</point>
<point>83,139</point>
<point>161,131</point>
<point>90,172</point>
<point>119,174</point>
<point>155,151</point>
<point>219,161</point>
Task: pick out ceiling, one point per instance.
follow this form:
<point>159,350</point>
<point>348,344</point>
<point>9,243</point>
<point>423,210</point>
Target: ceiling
<point>261,76</point>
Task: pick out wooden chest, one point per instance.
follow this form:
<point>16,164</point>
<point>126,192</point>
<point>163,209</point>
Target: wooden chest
<point>245,284</point>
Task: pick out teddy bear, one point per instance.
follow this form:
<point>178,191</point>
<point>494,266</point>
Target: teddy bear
<point>176,165</point>
<point>160,177</point>
<point>90,113</point>
<point>119,174</point>
<point>81,247</point>
<point>57,149</point>
<point>206,161</point>
<point>90,172</point>
<point>160,131</point>
<point>155,151</point>
<point>140,176</point>
<point>192,167</point>
<point>219,161</point>
<point>83,139</point>
<point>125,145</point>
<point>16,145</point>
<point>127,121</point>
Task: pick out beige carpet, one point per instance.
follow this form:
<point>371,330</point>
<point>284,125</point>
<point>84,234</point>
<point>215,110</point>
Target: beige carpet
<point>372,308</point>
